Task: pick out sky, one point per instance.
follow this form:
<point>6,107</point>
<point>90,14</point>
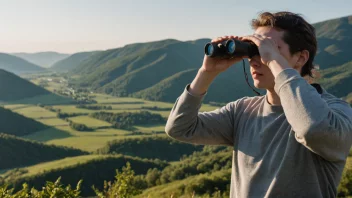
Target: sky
<point>70,26</point>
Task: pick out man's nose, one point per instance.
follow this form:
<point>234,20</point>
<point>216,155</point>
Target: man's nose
<point>254,62</point>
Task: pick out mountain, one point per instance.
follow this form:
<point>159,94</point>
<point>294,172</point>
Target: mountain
<point>16,89</point>
<point>18,65</point>
<point>336,80</point>
<point>44,59</point>
<point>71,62</point>
<point>18,152</point>
<point>334,41</point>
<point>13,87</point>
<point>160,70</point>
<point>18,125</point>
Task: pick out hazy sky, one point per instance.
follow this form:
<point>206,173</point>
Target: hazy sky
<point>81,25</point>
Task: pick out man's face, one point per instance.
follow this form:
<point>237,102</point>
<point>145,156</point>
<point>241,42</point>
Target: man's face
<point>261,74</point>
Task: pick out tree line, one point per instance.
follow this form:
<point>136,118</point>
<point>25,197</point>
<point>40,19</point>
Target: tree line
<point>126,120</point>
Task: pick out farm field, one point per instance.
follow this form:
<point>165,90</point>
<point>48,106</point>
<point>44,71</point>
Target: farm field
<point>60,133</point>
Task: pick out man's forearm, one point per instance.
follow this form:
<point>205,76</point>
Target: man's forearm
<point>201,82</point>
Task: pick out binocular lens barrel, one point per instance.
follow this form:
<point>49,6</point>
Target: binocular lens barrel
<point>231,48</point>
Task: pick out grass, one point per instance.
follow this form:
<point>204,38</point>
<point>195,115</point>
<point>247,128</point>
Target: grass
<point>151,128</point>
<point>90,143</point>
<point>47,99</point>
<point>66,162</point>
<point>49,134</point>
<point>35,112</point>
<point>60,133</point>
<point>90,122</point>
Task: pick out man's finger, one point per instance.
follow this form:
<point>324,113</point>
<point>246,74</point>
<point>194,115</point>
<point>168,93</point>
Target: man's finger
<point>254,39</point>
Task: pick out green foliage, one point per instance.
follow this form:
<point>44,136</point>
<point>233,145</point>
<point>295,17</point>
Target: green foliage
<point>79,127</point>
<point>94,107</point>
<point>17,152</point>
<point>214,184</point>
<point>93,172</point>
<point>69,115</point>
<point>335,79</point>
<point>71,62</point>
<point>16,124</point>
<point>50,190</point>
<point>126,120</point>
<point>156,108</point>
<point>124,185</point>
<point>345,186</point>
<point>209,160</point>
<point>158,71</point>
<point>152,147</point>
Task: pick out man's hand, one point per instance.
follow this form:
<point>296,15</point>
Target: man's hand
<point>217,65</point>
<point>212,66</point>
<point>269,53</point>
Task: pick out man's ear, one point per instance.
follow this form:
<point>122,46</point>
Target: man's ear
<point>303,57</point>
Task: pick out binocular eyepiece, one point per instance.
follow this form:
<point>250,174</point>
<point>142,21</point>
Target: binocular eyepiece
<point>231,48</point>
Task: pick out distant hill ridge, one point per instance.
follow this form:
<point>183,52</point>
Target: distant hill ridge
<point>71,61</point>
<point>18,65</point>
<point>160,70</point>
<point>43,59</point>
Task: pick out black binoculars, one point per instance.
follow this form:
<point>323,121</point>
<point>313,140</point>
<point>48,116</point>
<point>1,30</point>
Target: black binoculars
<point>231,48</point>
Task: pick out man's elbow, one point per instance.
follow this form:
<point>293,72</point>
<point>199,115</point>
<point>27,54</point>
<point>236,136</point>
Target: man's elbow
<point>329,142</point>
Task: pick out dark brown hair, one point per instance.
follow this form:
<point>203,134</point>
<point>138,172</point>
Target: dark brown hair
<point>298,34</point>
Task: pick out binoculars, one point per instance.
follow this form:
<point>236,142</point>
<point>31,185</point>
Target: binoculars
<point>231,48</point>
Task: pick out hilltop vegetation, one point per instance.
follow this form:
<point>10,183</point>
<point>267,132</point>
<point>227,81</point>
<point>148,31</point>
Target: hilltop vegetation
<point>93,171</point>
<point>71,62</point>
<point>18,125</point>
<point>160,70</point>
<point>163,148</point>
<point>17,152</point>
<point>336,79</point>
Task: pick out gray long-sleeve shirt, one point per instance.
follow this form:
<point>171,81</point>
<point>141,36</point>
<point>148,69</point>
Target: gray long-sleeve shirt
<point>296,149</point>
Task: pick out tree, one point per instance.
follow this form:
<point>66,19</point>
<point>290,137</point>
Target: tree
<point>123,186</point>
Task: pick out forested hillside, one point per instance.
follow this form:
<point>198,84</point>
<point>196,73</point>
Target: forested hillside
<point>17,152</point>
<point>160,70</point>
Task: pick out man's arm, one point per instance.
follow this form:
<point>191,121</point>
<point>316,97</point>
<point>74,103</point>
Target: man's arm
<point>323,126</point>
<point>187,124</point>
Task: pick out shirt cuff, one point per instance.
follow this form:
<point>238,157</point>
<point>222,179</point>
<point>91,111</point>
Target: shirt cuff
<point>187,89</point>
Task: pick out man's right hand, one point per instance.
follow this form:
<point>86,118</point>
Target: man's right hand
<point>212,66</point>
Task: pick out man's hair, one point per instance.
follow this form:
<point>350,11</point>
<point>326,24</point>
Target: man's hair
<point>298,34</point>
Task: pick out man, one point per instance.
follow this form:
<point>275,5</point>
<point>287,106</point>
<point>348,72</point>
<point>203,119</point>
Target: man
<point>292,142</point>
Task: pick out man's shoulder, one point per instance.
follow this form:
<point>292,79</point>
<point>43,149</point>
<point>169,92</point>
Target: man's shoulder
<point>332,99</point>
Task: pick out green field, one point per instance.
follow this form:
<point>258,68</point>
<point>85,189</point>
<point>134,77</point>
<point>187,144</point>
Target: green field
<point>60,133</point>
<point>34,112</point>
